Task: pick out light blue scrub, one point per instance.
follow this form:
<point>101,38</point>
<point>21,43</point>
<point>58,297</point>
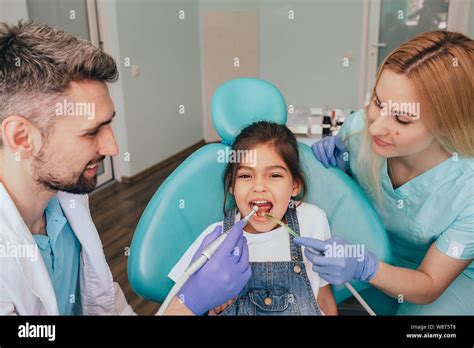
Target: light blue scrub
<point>434,207</point>
<point>61,250</point>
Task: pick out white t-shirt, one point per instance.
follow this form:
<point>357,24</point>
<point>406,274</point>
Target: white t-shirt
<point>272,246</point>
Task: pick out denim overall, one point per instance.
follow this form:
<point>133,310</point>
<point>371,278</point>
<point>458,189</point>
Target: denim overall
<point>275,288</point>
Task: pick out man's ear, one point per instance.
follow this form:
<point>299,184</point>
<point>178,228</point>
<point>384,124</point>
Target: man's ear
<point>20,136</point>
<point>296,188</point>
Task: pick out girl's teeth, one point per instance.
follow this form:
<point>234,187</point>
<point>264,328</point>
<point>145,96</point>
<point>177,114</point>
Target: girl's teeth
<point>91,166</point>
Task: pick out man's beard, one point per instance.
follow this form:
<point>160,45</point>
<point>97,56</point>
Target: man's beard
<point>44,173</point>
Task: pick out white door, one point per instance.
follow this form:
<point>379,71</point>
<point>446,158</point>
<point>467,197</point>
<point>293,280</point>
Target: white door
<point>392,22</point>
<point>78,17</point>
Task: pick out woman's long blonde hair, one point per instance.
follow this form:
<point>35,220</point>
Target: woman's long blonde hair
<point>440,66</point>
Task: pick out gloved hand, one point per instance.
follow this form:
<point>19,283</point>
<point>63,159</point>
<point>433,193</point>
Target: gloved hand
<point>223,276</point>
<point>330,151</point>
<point>334,268</point>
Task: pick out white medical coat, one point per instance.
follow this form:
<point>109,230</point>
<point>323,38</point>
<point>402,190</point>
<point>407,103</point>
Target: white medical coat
<point>25,285</point>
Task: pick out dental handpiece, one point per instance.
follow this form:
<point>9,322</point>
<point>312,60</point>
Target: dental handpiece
<point>212,248</point>
<point>196,265</point>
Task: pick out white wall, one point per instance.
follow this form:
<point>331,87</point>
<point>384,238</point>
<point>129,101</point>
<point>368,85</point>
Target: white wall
<point>304,57</point>
<point>167,52</point>
<point>228,29</point>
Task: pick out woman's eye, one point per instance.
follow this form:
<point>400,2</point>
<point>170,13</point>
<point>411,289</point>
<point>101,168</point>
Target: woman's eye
<point>377,104</point>
<point>397,117</point>
<point>244,176</point>
<point>276,175</point>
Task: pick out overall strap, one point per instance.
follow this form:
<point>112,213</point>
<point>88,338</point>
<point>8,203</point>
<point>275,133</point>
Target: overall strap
<point>292,221</point>
<point>229,219</point>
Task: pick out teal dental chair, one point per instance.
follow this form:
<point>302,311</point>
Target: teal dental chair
<point>191,198</point>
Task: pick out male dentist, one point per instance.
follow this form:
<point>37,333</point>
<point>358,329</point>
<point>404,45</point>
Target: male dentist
<point>55,115</point>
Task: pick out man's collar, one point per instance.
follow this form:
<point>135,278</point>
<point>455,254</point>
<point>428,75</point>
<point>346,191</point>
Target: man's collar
<point>55,219</point>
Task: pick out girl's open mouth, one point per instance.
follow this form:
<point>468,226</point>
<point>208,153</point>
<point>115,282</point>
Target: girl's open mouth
<point>264,207</point>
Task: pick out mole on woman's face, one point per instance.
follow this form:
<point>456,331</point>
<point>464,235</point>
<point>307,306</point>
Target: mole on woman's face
<point>394,116</point>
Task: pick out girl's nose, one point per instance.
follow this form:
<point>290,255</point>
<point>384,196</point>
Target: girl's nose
<point>259,186</point>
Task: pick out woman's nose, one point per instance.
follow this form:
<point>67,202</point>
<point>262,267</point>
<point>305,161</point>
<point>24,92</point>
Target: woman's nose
<point>380,126</point>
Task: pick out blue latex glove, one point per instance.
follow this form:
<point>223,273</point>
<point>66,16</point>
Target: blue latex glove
<point>223,276</point>
<point>330,151</point>
<point>336,269</point>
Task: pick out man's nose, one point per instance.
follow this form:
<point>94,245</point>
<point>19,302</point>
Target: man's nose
<point>108,144</point>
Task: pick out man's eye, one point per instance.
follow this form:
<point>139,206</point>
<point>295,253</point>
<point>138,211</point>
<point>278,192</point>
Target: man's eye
<point>244,176</point>
<point>92,134</point>
<point>276,175</point>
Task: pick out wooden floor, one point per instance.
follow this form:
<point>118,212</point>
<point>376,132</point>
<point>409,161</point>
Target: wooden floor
<point>116,210</point>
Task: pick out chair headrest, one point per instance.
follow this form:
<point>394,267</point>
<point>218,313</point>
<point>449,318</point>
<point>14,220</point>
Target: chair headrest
<point>240,102</point>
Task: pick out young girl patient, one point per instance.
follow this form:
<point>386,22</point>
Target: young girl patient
<point>269,176</point>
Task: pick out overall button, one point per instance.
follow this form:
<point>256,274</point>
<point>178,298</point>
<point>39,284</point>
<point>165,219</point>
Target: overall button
<point>268,301</point>
<point>297,269</point>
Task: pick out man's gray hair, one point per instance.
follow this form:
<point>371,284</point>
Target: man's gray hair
<point>37,63</point>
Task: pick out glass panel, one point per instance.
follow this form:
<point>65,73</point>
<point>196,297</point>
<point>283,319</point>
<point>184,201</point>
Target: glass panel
<point>101,169</point>
<point>69,15</point>
<point>400,20</point>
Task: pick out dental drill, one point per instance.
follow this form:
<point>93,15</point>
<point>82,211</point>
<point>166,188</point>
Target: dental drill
<point>199,262</point>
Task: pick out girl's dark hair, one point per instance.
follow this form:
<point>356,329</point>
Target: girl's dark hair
<point>276,135</point>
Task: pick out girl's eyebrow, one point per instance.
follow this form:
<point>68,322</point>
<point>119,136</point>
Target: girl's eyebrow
<point>276,167</point>
<point>243,167</point>
<point>266,168</point>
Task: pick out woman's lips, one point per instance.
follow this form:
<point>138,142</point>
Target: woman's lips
<point>380,142</point>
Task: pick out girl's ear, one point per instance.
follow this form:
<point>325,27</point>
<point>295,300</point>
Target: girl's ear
<point>296,188</point>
